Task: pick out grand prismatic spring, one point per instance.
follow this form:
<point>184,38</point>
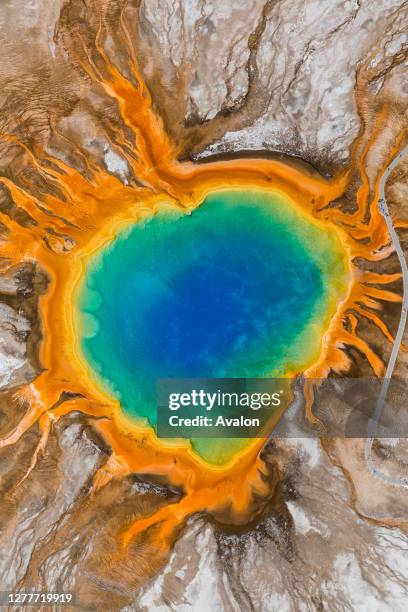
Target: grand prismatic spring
<point>242,287</point>
<point>254,218</point>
